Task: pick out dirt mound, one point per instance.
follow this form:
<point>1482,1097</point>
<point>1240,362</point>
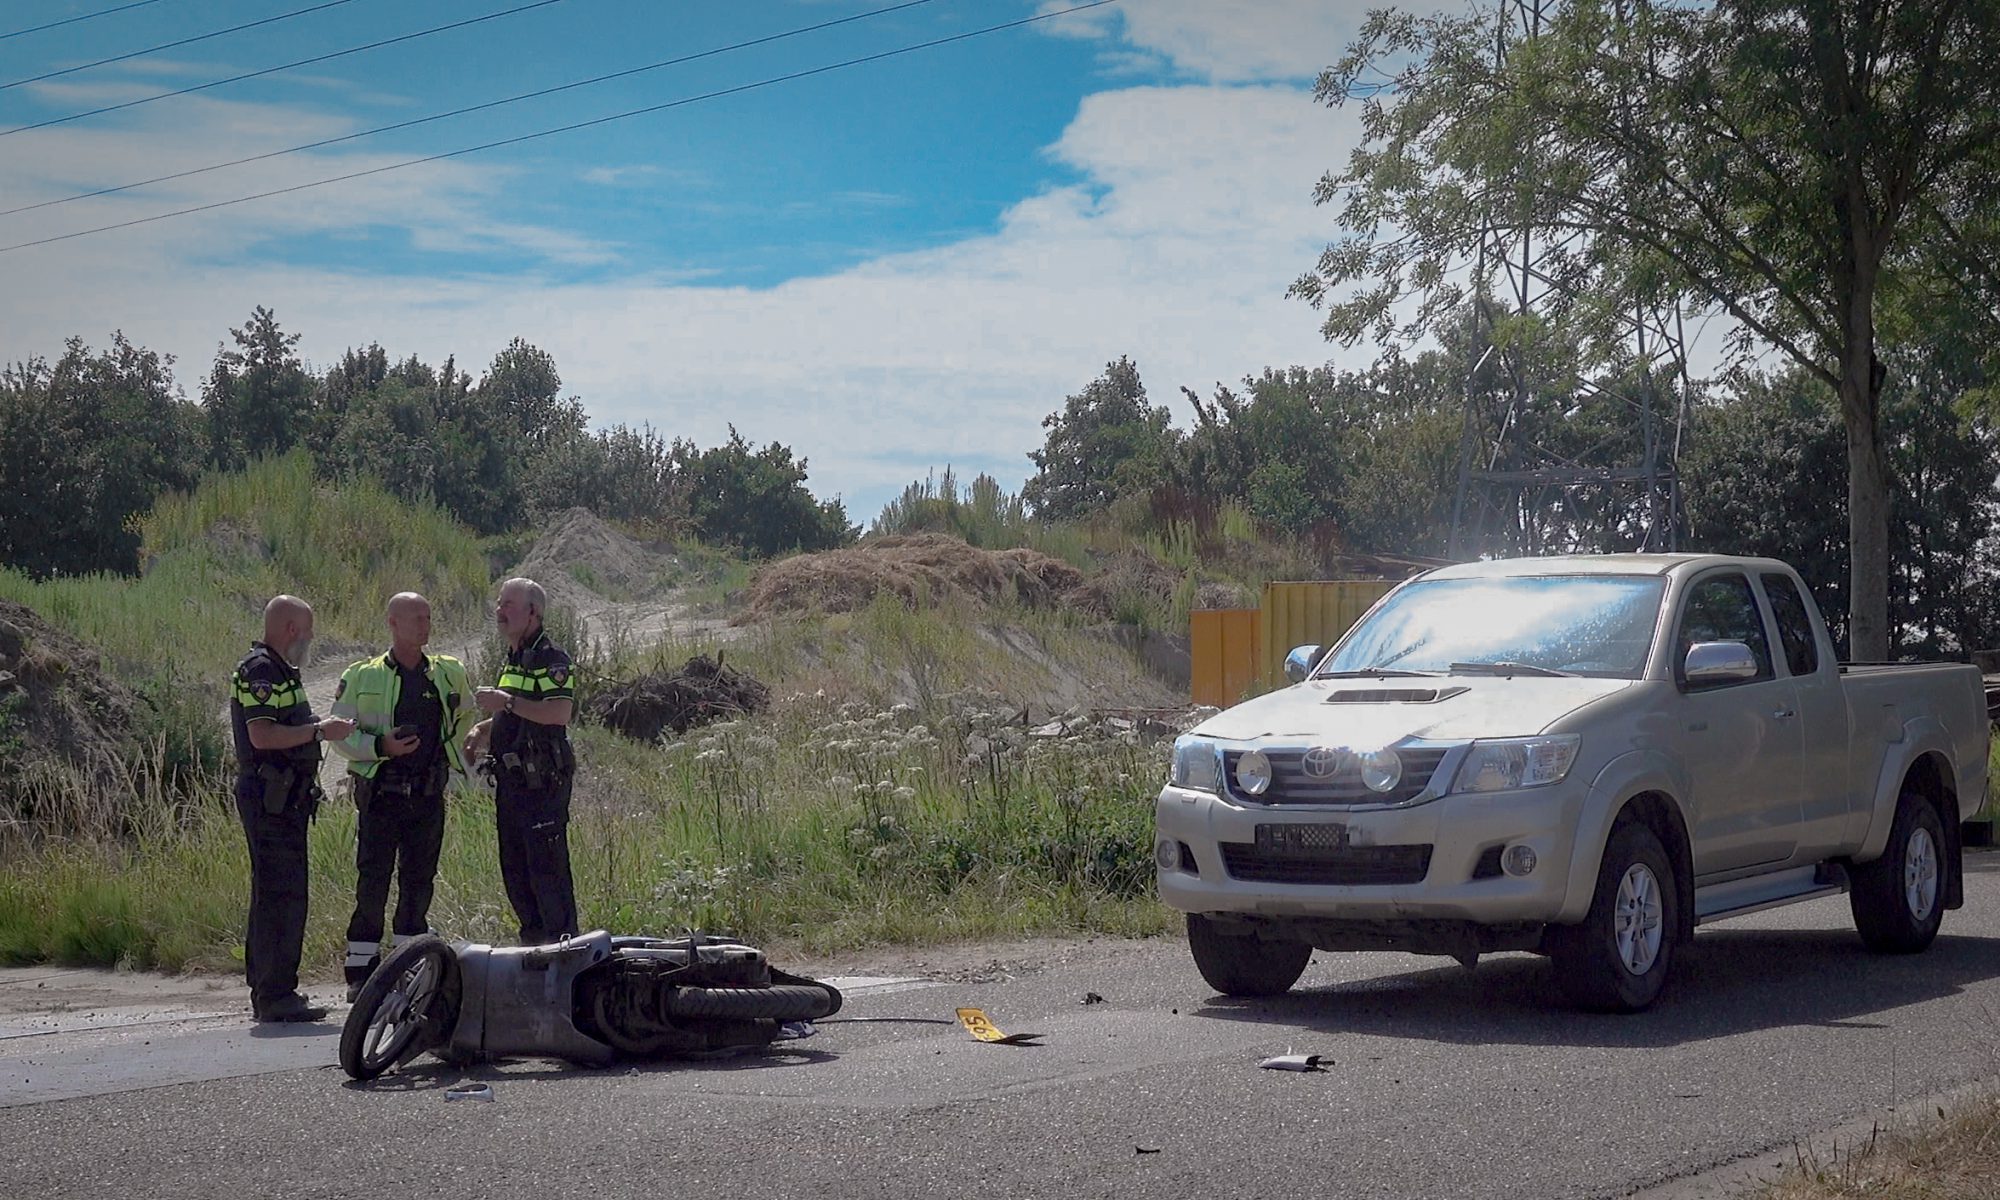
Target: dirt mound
<point>925,568</point>
<point>702,691</point>
<point>582,561</point>
<point>58,709</point>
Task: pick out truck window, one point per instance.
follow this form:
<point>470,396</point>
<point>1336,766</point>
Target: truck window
<point>1795,631</point>
<point>1722,608</point>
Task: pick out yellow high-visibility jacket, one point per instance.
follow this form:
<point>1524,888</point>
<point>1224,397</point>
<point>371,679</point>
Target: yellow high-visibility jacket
<point>367,696</point>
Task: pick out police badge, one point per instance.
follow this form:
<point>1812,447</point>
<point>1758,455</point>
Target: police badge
<point>261,688</point>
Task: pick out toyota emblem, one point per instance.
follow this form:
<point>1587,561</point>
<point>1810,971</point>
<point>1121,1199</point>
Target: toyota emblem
<point>1320,762</point>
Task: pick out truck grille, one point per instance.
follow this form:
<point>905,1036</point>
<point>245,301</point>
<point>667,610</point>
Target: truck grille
<point>1351,865</point>
<point>1291,785</point>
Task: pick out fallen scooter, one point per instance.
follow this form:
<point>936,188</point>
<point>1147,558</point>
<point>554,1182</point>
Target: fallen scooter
<point>589,999</point>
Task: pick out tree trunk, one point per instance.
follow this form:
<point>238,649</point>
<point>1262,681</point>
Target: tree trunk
<point>1867,490</point>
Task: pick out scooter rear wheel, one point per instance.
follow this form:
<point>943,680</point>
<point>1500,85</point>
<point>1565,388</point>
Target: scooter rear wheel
<point>407,1006</point>
<point>779,1002</point>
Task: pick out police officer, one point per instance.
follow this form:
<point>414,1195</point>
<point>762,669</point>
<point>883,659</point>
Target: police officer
<point>410,710</point>
<point>527,734</point>
<point>277,793</point>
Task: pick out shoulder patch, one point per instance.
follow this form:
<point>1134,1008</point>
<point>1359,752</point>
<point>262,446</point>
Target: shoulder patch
<point>261,688</point>
<point>559,673</point>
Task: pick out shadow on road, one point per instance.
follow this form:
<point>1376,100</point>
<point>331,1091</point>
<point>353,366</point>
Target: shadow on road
<point>430,1074</point>
<point>1727,982</point>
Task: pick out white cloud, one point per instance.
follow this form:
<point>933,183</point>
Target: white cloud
<point>1227,41</point>
<point>1192,215</point>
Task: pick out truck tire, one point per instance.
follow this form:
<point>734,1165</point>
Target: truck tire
<point>1245,964</point>
<point>1618,959</point>
<point>1898,900</point>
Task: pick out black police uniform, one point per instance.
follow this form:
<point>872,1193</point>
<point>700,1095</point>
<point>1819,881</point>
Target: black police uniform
<point>277,794</point>
<point>401,816</point>
<point>533,767</point>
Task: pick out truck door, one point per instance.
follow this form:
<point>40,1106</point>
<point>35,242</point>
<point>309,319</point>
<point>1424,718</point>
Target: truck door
<point>1740,739</point>
<point>1825,792</point>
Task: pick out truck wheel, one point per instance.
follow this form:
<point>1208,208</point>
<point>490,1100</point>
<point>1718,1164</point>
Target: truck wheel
<point>1245,964</point>
<point>1898,900</point>
<point>1618,959</point>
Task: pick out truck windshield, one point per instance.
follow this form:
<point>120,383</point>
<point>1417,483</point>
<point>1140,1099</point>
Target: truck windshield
<point>1599,625</point>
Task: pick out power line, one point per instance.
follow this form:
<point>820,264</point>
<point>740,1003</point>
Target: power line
<point>571,128</point>
<point>186,41</point>
<point>304,62</point>
<point>102,12</point>
<point>459,112</point>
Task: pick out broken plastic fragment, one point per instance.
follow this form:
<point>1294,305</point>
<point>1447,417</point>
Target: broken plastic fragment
<point>1292,1062</point>
<point>469,1091</point>
<point>795,1029</point>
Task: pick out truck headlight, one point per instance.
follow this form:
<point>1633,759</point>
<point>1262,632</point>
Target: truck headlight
<point>1197,765</point>
<point>1253,772</point>
<point>1381,770</point>
<point>1508,764</point>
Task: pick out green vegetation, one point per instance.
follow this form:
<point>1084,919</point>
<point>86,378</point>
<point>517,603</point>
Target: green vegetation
<point>213,556</point>
<point>828,822</point>
<point>1819,173</point>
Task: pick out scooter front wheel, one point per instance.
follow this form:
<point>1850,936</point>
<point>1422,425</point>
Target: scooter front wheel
<point>407,1006</point>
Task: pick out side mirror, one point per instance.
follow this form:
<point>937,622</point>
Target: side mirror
<point>1719,662</point>
<point>1300,662</point>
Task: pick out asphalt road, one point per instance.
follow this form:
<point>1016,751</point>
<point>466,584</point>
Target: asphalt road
<point>1441,1082</point>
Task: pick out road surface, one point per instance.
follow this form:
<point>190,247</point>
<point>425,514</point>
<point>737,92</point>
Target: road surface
<point>1440,1082</point>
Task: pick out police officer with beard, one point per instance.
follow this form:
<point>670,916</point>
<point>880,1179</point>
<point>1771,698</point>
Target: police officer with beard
<point>277,793</point>
<point>527,734</point>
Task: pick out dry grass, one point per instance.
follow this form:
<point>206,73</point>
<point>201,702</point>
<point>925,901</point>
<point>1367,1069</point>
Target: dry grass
<point>921,570</point>
<point>1955,1157</point>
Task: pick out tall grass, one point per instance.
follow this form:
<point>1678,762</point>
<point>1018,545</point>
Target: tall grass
<point>984,515</point>
<point>212,557</point>
<point>822,825</point>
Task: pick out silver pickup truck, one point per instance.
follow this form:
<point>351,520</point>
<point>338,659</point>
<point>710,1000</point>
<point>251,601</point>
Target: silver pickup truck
<point>1584,757</point>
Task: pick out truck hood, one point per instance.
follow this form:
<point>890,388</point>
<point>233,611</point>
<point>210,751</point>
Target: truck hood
<point>1368,713</point>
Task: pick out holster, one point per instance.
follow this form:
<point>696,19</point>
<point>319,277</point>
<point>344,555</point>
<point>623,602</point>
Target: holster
<point>278,783</point>
<point>538,764</point>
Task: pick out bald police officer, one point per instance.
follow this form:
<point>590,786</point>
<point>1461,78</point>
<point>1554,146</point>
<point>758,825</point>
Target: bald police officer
<point>527,734</point>
<point>277,793</point>
<point>410,711</point>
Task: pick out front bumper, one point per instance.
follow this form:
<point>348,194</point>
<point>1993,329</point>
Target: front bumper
<point>1463,834</point>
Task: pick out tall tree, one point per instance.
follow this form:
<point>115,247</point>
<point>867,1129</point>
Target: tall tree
<point>1795,164</point>
<point>1106,442</point>
<point>85,444</point>
<point>258,396</point>
<point>756,500</point>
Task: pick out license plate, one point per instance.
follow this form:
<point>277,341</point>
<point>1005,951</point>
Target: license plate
<point>1301,840</point>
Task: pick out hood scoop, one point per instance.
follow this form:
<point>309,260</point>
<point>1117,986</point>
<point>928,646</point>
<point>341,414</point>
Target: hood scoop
<point>1394,695</point>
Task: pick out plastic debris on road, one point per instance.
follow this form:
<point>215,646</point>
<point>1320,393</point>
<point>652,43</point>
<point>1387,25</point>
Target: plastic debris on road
<point>469,1091</point>
<point>793,1030</point>
<point>978,1026</point>
<point>1292,1062</point>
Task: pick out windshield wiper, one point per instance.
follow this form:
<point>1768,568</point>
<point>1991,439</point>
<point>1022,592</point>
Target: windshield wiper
<point>1507,668</point>
<point>1378,673</point>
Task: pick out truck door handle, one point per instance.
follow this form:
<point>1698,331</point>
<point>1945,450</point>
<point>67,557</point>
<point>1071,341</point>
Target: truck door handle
<point>1785,714</point>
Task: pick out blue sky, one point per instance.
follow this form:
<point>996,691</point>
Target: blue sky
<point>890,267</point>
